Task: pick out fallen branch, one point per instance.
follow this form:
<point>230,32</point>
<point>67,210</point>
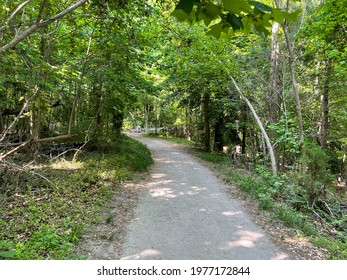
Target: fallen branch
<point>260,125</point>
<point>25,144</point>
<point>17,149</point>
<point>63,153</point>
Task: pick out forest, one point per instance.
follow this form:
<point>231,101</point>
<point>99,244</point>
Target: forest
<point>261,84</point>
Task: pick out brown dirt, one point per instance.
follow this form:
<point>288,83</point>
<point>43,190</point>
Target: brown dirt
<point>104,240</point>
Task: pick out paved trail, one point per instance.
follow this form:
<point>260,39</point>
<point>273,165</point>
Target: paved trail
<point>185,214</point>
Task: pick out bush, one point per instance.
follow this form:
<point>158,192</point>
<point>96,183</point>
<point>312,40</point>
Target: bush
<point>316,174</point>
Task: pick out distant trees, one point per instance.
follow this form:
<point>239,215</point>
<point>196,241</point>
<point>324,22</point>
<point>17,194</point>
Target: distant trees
<point>88,68</point>
<point>67,70</point>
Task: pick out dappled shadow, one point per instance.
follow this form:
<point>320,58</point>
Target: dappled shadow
<point>145,254</point>
<point>186,215</point>
<point>247,246</point>
<point>247,239</point>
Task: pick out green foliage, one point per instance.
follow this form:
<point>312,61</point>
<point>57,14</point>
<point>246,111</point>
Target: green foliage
<point>223,19</point>
<point>315,175</point>
<point>213,157</point>
<point>315,161</point>
<point>7,251</point>
<point>337,249</point>
<point>289,200</point>
<point>43,221</point>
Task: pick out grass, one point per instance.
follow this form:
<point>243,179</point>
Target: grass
<point>43,217</point>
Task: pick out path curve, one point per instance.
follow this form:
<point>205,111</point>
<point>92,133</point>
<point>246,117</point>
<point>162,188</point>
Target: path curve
<point>185,214</point>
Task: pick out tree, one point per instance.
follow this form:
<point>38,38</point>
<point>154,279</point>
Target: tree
<point>40,22</point>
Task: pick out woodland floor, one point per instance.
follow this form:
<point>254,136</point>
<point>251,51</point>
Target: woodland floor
<point>117,234</point>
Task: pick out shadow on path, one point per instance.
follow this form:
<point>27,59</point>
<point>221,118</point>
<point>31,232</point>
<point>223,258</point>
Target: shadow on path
<point>185,214</point>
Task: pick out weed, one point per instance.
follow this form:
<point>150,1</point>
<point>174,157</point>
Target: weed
<point>110,219</point>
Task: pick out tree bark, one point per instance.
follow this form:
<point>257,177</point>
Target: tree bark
<point>274,81</point>
<point>207,130</point>
<point>261,127</point>
<point>325,106</point>
<point>294,83</point>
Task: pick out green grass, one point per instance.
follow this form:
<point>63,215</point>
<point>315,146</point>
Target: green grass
<point>45,218</point>
<point>337,249</point>
<point>213,157</point>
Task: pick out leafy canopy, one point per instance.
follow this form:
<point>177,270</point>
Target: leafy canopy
<point>225,17</point>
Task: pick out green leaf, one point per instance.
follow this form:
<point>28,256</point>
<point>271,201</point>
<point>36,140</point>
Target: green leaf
<point>215,30</point>
<point>186,6</point>
<point>261,29</point>
<point>179,15</point>
<point>261,6</point>
<point>278,15</point>
<point>237,6</point>
<point>234,21</point>
<point>247,25</point>
<point>205,17</point>
<point>292,16</point>
<point>213,10</point>
<point>7,255</point>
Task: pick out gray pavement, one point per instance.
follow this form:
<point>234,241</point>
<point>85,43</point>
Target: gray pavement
<point>185,215</point>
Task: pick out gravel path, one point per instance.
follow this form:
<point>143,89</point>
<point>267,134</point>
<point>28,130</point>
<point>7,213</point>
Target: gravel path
<point>185,214</point>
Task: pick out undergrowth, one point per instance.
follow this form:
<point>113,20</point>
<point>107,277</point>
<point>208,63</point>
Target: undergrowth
<point>322,221</point>
<point>45,207</point>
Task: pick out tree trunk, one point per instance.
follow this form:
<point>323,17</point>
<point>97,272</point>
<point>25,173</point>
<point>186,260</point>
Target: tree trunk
<point>79,87</point>
<point>294,83</point>
<point>218,134</point>
<point>293,76</point>
<point>2,124</point>
<point>325,106</point>
<point>146,117</point>
<point>261,127</point>
<point>244,131</point>
<point>274,90</point>
<point>207,131</point>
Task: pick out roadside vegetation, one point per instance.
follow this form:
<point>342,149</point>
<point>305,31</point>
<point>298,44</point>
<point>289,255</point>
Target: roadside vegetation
<point>46,205</point>
<point>308,202</point>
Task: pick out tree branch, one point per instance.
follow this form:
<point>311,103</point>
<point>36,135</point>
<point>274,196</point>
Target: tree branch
<point>261,127</point>
<point>42,8</point>
<point>16,11</point>
<point>32,29</point>
<point>18,116</point>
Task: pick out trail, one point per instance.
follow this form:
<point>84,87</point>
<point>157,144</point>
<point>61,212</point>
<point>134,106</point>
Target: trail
<point>185,214</point>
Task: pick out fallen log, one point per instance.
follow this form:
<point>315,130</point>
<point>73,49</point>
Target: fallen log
<point>23,145</point>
